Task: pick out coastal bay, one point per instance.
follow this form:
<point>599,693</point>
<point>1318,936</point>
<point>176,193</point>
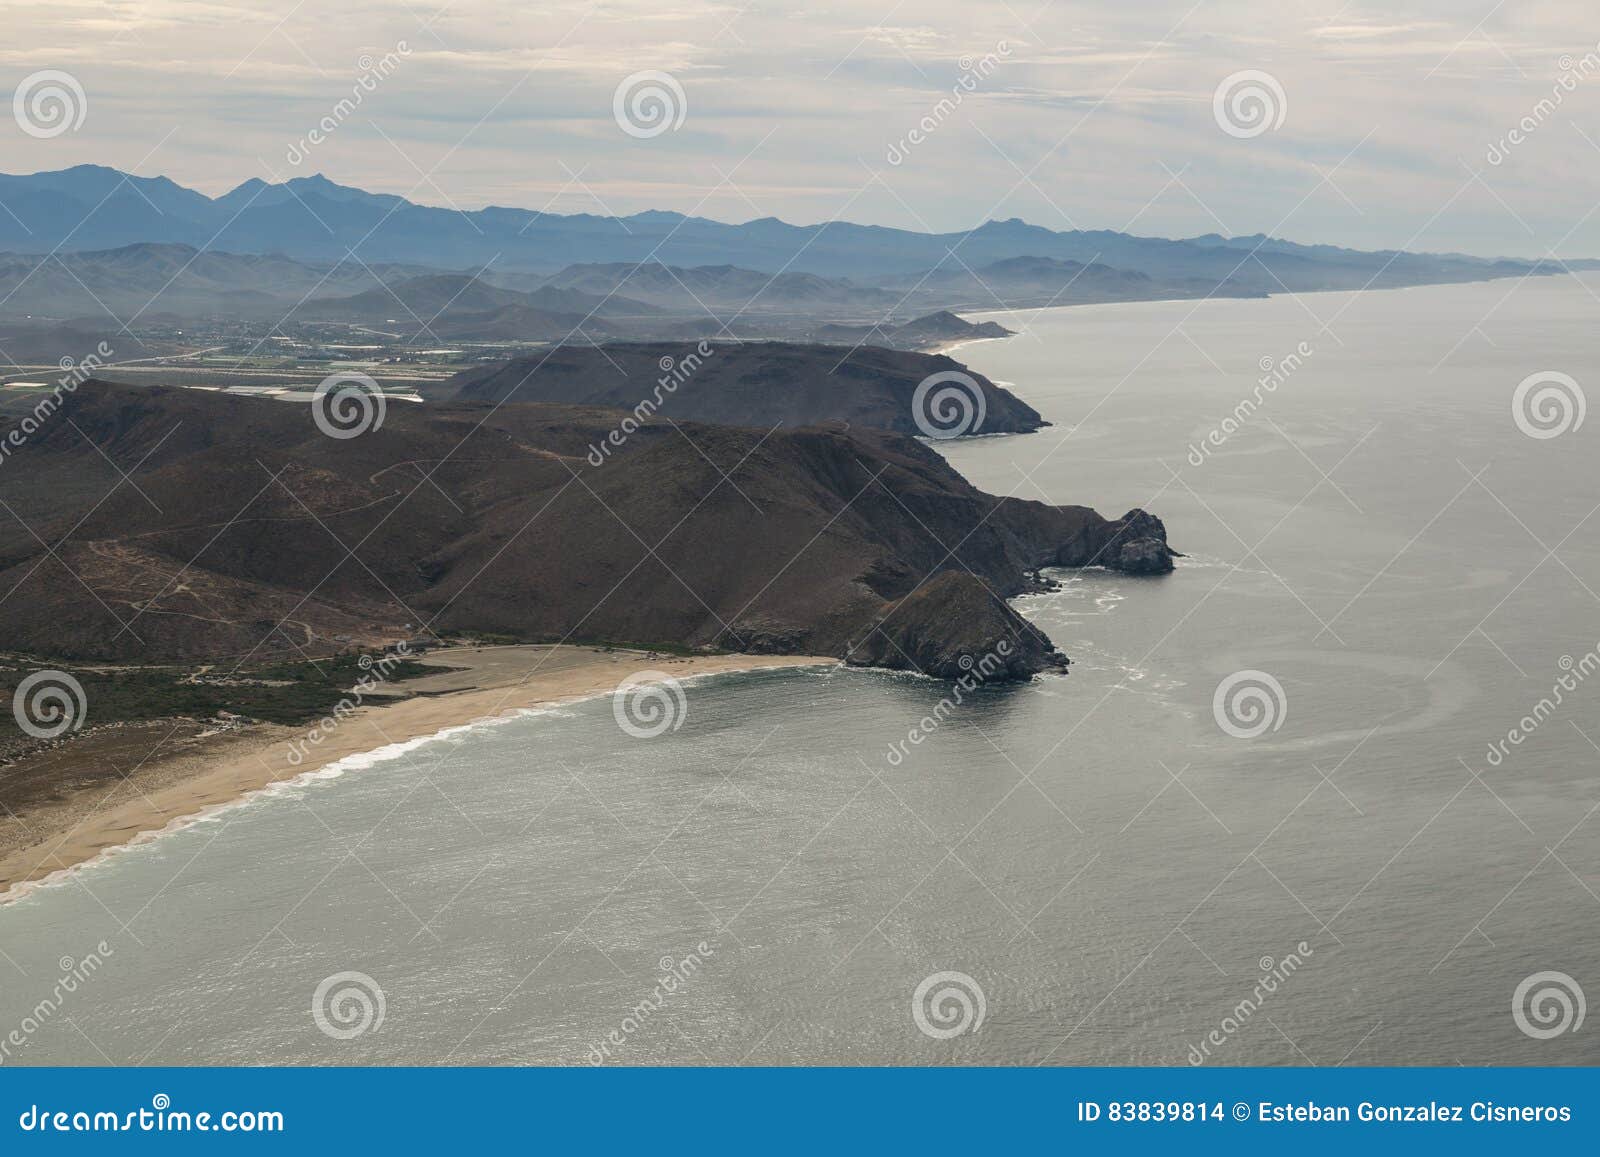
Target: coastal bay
<point>1113,868</point>
<point>172,787</point>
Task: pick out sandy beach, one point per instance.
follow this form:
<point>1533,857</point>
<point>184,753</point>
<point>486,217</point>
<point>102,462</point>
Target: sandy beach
<point>186,779</point>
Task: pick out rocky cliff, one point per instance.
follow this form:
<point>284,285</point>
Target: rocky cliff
<point>242,531</point>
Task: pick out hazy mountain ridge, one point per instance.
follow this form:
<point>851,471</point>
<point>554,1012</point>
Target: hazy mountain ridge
<point>312,218</point>
<point>173,277</point>
<point>429,297</point>
<point>725,287</point>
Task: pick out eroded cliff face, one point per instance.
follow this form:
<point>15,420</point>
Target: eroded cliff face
<point>1136,543</point>
<point>857,543</point>
<point>955,622</point>
<point>955,626</point>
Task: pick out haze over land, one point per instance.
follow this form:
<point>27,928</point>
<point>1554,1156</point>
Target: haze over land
<point>379,381</point>
<point>265,288</point>
<point>1093,116</point>
<point>91,241</point>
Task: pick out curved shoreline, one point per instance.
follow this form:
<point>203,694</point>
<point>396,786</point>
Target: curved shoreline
<point>478,685</point>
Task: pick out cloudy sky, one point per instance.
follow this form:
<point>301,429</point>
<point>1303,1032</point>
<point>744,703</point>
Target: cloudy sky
<point>1071,115</point>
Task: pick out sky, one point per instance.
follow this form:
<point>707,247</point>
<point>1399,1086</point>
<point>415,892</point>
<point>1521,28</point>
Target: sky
<point>1378,126</point>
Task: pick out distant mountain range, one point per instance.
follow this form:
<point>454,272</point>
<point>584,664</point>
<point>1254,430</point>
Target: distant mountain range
<point>62,304</point>
<point>457,307</point>
<point>728,287</point>
<point>313,220</point>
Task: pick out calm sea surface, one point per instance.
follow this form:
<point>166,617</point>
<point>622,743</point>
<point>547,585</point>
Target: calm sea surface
<point>1400,573</point>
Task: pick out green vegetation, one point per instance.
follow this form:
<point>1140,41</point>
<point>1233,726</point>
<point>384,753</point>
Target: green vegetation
<point>288,693</point>
<point>502,639</point>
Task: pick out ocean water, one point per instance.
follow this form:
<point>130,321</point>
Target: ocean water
<point>1336,866</point>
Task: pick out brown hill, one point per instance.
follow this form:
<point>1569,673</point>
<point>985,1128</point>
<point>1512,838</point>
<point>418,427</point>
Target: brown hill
<point>242,531</point>
<point>725,288</point>
<point>436,297</point>
<point>513,323</point>
<point>740,383</point>
<point>936,329</point>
